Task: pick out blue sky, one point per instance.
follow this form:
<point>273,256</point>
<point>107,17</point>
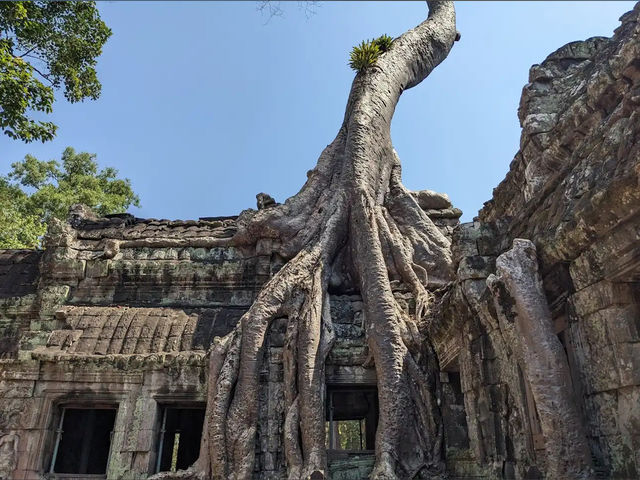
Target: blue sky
<point>204,105</point>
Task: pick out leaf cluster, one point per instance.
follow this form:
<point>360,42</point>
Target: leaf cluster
<point>367,53</point>
<point>383,42</point>
<point>45,46</point>
<point>36,191</point>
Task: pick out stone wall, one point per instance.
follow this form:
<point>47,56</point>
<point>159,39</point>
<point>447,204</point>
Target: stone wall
<point>19,271</point>
<point>572,189</point>
<point>120,311</point>
<point>108,322</point>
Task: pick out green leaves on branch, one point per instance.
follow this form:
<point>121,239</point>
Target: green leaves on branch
<point>366,54</point>
<point>19,228</point>
<point>35,191</point>
<point>46,46</point>
<point>383,42</point>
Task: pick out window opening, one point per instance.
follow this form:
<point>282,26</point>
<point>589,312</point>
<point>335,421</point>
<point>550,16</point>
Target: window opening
<point>179,442</point>
<point>351,418</point>
<point>83,441</point>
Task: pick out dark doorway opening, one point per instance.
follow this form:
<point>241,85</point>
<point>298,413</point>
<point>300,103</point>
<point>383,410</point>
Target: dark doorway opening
<point>83,441</point>
<point>179,442</point>
<point>454,417</point>
<point>351,418</point>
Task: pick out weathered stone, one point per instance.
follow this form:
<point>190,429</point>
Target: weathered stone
<point>430,200</point>
<point>121,311</point>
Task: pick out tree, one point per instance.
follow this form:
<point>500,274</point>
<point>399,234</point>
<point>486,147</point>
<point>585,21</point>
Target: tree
<point>45,46</point>
<point>353,227</point>
<point>36,191</point>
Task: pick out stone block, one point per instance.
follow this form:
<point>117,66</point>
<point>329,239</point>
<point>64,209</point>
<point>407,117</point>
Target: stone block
<point>602,411</point>
<point>498,396</point>
<point>586,270</point>
<point>348,331</point>
<point>353,467</point>
<point>602,295</point>
<point>97,268</point>
<point>629,416</point>
<point>263,266</point>
<point>594,327</point>
<point>539,123</point>
<point>16,388</point>
<point>623,324</point>
<point>601,371</point>
<point>276,373</point>
<point>69,269</point>
<point>476,267</point>
<point>268,461</point>
<point>464,239</point>
<point>621,457</point>
<point>31,340</point>
<point>469,378</point>
<point>57,338</point>
<point>276,339</point>
<point>627,357</point>
<point>52,297</point>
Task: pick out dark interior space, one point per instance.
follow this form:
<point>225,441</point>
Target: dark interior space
<point>179,442</point>
<point>352,417</point>
<point>453,411</point>
<point>83,440</point>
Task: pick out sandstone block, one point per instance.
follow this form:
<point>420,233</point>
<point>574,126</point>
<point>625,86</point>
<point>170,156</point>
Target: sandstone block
<point>428,200</point>
<point>602,295</point>
<point>627,357</point>
<point>476,267</point>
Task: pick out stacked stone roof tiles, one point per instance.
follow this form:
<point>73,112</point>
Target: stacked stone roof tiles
<point>131,330</point>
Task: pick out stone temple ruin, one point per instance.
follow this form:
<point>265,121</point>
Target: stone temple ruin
<point>104,333</point>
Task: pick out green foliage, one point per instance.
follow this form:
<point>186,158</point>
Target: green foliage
<point>36,191</point>
<point>18,227</point>
<point>348,434</point>
<point>46,46</point>
<point>366,54</point>
<point>383,42</point>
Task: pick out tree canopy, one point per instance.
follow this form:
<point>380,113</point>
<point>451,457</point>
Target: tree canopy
<point>45,46</point>
<point>36,191</point>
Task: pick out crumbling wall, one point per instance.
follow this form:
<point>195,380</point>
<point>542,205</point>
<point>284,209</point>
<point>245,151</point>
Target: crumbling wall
<point>19,270</point>
<point>121,311</point>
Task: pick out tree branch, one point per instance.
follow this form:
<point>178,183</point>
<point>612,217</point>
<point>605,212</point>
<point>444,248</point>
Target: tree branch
<point>45,77</point>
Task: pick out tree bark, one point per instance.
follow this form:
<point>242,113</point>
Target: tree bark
<point>519,296</point>
<point>353,206</point>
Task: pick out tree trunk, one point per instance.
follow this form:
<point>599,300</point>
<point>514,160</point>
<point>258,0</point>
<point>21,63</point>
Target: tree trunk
<point>519,296</point>
<point>353,206</point>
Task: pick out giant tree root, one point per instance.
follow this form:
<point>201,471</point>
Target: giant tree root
<point>520,299</point>
<point>352,221</point>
